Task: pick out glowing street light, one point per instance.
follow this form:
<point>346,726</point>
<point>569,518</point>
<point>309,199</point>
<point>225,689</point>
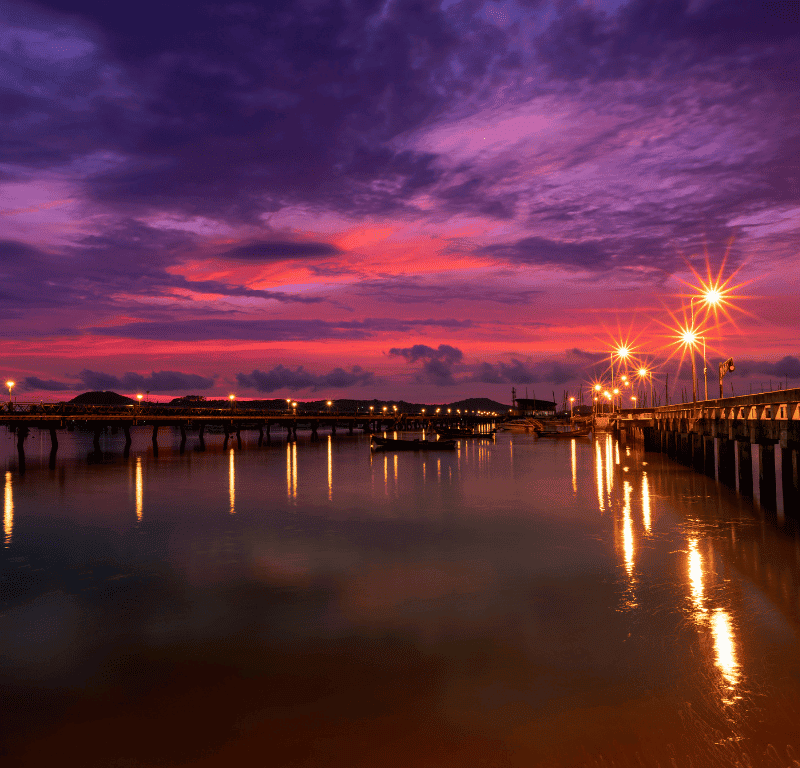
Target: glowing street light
<point>643,373</point>
<point>231,398</point>
<point>571,407</point>
<point>688,337</point>
<point>10,384</point>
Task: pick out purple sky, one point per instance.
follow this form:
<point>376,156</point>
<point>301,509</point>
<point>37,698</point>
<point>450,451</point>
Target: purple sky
<point>411,200</point>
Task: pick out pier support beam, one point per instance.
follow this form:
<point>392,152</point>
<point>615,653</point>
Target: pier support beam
<point>766,476</point>
<point>709,455</point>
<point>201,440</point>
<point>791,480</point>
<point>744,467</point>
<point>183,438</point>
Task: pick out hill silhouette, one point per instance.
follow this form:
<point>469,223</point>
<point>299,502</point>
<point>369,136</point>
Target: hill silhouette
<point>101,398</point>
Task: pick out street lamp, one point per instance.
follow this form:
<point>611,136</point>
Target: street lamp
<point>689,338</point>
<point>571,407</point>
<point>231,398</point>
<point>712,296</point>
<point>617,399</point>
<point>643,373</point>
<point>623,353</point>
<point>10,384</point>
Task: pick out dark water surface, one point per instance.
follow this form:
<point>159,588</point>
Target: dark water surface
<point>516,603</point>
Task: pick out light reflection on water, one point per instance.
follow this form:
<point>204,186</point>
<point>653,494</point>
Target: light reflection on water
<point>140,490</point>
<point>8,511</point>
<point>567,602</point>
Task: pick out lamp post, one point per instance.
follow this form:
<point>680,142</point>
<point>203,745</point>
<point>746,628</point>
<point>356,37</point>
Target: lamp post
<point>711,296</point>
<point>231,398</point>
<point>10,384</point>
<point>689,339</point>
<point>572,407</point>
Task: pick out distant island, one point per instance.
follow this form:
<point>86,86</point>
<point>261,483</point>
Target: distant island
<point>316,406</point>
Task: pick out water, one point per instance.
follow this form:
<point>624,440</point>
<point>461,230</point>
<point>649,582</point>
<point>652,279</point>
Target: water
<point>516,603</point>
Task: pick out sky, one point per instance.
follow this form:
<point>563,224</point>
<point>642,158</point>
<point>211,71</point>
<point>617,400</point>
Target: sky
<point>425,201</point>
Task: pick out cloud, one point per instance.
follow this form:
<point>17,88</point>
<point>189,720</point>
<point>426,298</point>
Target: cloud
<point>788,366</point>
<point>438,364</point>
<point>265,250</point>
<point>35,383</point>
<point>269,330</point>
<point>281,377</point>
<point>414,289</point>
<point>538,250</point>
<point>444,353</point>
<point>160,381</point>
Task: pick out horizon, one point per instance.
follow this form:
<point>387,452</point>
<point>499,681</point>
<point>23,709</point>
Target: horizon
<point>398,198</point>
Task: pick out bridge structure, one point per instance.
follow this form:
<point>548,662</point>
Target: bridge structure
<point>748,442</point>
<point>20,418</point>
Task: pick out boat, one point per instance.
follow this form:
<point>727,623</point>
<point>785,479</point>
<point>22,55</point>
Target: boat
<point>387,444</point>
<point>448,433</point>
<point>579,432</point>
<point>521,425</point>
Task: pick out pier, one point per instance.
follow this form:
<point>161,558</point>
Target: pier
<point>21,418</point>
<point>749,442</point>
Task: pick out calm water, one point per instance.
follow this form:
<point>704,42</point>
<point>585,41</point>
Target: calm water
<point>516,603</point>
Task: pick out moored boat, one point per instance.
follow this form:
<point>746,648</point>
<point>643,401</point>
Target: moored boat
<point>580,432</point>
<point>388,444</point>
<point>447,433</point>
<point>521,425</point>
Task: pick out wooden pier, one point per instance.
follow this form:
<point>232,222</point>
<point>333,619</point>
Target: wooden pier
<point>21,418</point>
